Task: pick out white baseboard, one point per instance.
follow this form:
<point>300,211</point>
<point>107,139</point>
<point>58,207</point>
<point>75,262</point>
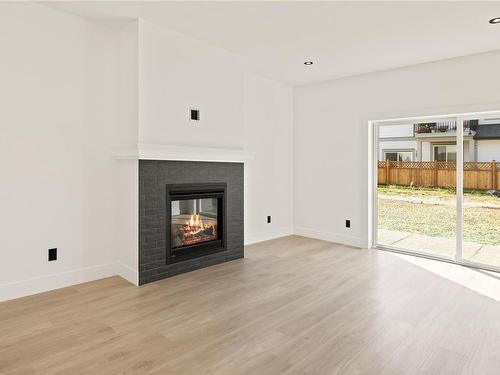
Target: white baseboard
<point>127,272</point>
<point>330,236</point>
<point>46,283</point>
<point>269,235</point>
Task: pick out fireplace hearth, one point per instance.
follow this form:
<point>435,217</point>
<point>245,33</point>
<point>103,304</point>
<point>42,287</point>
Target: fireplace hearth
<point>195,220</point>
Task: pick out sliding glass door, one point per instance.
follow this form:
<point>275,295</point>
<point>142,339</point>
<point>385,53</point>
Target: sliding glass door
<point>437,188</point>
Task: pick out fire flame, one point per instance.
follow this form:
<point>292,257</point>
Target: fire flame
<point>196,224</point>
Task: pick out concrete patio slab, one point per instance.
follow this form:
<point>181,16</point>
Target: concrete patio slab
<point>488,254</point>
<point>472,251</point>
<point>433,245</point>
<point>390,237</point>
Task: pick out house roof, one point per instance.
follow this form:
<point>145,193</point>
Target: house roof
<point>488,131</point>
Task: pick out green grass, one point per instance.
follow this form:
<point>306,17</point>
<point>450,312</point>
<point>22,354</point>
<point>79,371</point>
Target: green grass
<point>442,193</point>
<point>481,224</point>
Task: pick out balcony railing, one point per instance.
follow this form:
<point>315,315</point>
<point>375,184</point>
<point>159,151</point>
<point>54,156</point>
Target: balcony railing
<point>443,127</point>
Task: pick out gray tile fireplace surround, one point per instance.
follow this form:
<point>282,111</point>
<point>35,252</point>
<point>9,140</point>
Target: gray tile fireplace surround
<point>154,175</point>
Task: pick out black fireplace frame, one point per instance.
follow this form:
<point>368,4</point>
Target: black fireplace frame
<point>192,191</point>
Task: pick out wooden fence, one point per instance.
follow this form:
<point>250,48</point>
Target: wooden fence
<point>477,175</point>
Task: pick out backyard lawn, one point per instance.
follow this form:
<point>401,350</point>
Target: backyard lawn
<point>431,212</point>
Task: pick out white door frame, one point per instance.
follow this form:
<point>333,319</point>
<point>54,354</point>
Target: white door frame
<point>460,118</point>
<point>459,184</point>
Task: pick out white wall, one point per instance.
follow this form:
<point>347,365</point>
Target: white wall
<point>239,110</point>
<point>331,143</point>
<point>126,177</point>
<point>126,224</point>
<point>59,78</point>
<point>488,150</point>
<point>179,72</point>
<point>268,178</point>
<point>391,131</point>
<point>127,132</point>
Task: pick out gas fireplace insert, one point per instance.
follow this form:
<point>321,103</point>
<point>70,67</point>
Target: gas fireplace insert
<point>195,220</point>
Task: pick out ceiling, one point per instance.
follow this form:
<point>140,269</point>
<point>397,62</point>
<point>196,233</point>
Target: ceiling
<point>341,38</point>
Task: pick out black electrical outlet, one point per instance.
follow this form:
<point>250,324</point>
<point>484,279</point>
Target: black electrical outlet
<point>348,223</point>
<point>269,219</point>
<point>52,254</point>
<point>195,114</point>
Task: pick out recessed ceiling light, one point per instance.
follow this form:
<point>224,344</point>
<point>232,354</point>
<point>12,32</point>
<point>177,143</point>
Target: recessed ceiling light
<point>495,20</point>
<point>308,62</point>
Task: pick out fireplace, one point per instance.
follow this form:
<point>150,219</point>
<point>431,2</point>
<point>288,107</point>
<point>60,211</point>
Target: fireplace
<point>170,191</point>
<point>195,220</point>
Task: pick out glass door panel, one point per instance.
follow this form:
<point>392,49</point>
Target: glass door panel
<point>416,192</point>
<point>481,203</point>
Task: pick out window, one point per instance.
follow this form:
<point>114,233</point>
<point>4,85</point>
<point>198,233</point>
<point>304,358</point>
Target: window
<point>398,155</point>
<point>445,152</point>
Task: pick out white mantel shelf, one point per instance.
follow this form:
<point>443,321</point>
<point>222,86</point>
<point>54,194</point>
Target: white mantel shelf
<point>143,151</point>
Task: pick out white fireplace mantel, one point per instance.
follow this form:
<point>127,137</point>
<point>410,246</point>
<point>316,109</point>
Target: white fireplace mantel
<point>144,151</point>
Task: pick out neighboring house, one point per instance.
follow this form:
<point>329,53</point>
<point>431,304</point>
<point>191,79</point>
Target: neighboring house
<point>437,141</point>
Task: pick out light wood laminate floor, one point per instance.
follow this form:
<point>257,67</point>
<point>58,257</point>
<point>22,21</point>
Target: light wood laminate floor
<point>292,306</point>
